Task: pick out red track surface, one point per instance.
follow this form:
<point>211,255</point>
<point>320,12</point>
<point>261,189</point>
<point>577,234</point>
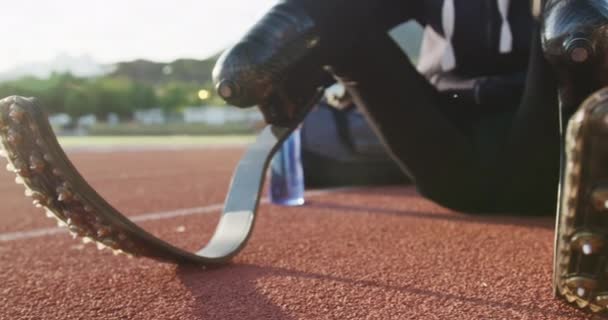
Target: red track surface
<point>373,253</point>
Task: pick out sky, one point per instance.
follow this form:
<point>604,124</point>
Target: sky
<point>118,30</point>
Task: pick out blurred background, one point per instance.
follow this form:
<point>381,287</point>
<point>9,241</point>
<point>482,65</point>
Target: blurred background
<point>136,68</point>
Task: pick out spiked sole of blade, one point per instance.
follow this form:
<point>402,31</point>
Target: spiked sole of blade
<point>581,253</point>
<point>33,157</point>
<point>54,184</point>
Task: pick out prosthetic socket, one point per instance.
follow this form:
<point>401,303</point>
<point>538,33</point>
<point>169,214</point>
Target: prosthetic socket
<point>275,66</point>
<point>279,64</point>
<point>575,42</point>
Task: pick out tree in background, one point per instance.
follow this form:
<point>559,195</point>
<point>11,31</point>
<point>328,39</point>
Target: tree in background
<point>175,95</point>
<point>82,100</point>
<point>132,86</point>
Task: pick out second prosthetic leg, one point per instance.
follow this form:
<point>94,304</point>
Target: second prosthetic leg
<point>575,43</point>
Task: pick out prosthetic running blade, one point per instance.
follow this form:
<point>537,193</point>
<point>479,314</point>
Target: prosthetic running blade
<point>581,253</point>
<point>54,184</point>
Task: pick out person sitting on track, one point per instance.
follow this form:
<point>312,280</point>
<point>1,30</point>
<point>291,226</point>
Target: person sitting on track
<point>475,127</point>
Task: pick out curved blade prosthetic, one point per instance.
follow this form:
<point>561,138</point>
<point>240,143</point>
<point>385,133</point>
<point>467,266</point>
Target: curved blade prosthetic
<point>55,185</point>
<point>581,253</point>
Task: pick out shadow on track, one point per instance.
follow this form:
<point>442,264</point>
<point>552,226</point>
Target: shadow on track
<point>407,194</point>
<point>543,222</point>
<point>231,293</point>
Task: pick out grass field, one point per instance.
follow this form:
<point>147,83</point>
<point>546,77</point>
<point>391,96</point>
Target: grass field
<point>110,141</point>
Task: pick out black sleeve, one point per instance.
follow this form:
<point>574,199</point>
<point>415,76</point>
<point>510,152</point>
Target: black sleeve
<point>343,17</point>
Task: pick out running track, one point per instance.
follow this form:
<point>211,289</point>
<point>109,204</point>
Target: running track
<point>368,253</point>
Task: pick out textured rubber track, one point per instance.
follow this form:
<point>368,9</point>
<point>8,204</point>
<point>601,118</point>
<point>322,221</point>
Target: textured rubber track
<point>580,270</point>
<point>376,253</point>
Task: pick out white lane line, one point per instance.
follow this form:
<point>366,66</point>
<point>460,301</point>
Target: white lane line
<point>36,233</point>
<point>152,148</point>
<point>43,232</point>
<point>177,213</point>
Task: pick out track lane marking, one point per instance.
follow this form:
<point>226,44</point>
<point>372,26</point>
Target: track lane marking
<point>154,216</point>
<point>128,149</point>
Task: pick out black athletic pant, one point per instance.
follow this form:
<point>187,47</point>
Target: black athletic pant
<point>470,158</point>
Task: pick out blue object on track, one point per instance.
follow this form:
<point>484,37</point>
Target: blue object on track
<point>286,174</point>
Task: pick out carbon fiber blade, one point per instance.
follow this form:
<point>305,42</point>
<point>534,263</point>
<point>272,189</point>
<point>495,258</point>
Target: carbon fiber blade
<point>244,195</point>
<point>53,182</point>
